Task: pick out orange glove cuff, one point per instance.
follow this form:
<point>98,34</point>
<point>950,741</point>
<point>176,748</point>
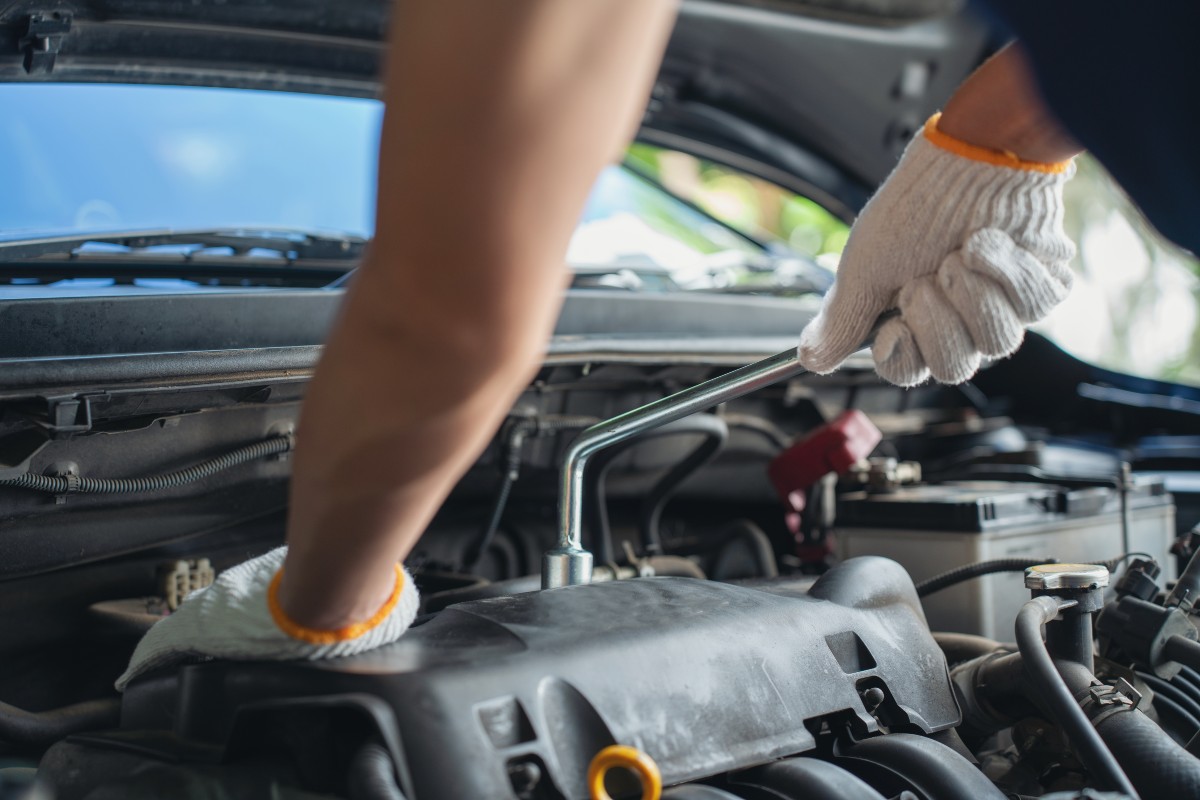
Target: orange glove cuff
<point>317,636</point>
<point>999,158</point>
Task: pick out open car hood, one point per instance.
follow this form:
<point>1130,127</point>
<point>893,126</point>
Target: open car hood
<point>819,101</point>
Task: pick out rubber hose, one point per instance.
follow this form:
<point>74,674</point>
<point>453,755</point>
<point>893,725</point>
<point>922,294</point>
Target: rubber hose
<point>52,484</point>
<point>806,779</point>
<point>513,441</point>
<point>1057,697</point>
<point>760,547</point>
<point>1185,651</point>
<point>372,774</point>
<point>716,434</point>
<point>1164,690</point>
<point>965,573</point>
<point>1157,765</point>
<point>961,647</point>
<point>1189,682</point>
<point>1174,719</point>
<point>712,427</point>
<point>935,770</point>
<point>763,427</point>
<point>18,726</point>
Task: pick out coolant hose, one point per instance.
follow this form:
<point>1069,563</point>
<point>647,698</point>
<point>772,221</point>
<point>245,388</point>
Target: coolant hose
<point>961,647</point>
<point>1054,693</point>
<point>372,774</point>
<point>1157,765</point>
<point>18,726</point>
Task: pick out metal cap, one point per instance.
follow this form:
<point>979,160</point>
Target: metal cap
<point>1057,577</point>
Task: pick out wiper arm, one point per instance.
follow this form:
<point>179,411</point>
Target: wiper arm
<point>290,245</point>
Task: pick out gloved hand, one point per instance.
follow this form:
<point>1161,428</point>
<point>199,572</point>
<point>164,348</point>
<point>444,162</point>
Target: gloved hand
<point>967,243</point>
<point>239,618</point>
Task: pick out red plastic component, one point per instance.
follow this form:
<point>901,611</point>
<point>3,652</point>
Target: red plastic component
<point>834,447</point>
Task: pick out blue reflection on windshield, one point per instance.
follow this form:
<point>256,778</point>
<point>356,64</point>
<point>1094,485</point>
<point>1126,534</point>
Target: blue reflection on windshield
<point>92,157</point>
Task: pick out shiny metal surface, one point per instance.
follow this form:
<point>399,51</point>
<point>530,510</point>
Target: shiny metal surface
<point>568,563</point>
<point>1049,577</point>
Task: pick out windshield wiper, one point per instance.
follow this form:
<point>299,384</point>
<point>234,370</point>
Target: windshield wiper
<point>188,245</point>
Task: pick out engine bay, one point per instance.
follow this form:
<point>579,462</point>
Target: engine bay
<point>807,587</point>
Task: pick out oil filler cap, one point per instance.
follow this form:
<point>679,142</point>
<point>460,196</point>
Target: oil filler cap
<point>626,758</point>
<point>1066,577</point>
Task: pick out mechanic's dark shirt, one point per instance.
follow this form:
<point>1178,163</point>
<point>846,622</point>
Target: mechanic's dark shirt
<point>1124,77</point>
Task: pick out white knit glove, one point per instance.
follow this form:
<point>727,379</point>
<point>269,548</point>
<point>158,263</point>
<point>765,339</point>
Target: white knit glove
<point>967,243</point>
<point>237,618</point>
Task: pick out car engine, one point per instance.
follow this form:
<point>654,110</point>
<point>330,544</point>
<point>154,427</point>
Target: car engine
<point>661,580</point>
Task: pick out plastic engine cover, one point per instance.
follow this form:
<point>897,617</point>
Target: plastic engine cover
<point>704,677</point>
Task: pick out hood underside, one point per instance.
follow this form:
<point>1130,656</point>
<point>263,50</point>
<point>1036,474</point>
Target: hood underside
<point>821,100</point>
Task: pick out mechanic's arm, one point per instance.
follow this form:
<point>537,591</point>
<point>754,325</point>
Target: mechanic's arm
<point>499,118</point>
<point>964,238</point>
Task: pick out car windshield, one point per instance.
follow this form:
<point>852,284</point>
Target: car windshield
<point>92,159</point>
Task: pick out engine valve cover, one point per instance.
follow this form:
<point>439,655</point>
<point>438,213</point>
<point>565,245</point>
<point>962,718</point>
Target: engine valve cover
<point>704,677</point>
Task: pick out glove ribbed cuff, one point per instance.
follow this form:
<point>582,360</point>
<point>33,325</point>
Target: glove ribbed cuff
<point>999,158</point>
<point>324,637</point>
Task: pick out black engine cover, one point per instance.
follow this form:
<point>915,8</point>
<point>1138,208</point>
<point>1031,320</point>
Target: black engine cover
<point>704,677</point>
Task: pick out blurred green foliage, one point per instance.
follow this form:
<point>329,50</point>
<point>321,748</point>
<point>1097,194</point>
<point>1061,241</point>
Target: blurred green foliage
<point>751,205</point>
<point>1135,306</point>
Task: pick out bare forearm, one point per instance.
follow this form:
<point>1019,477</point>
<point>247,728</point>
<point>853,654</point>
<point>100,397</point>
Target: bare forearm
<point>499,116</point>
<point>1000,107</point>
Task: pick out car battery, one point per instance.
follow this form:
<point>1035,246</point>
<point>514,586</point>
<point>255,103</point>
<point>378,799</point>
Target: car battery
<point>931,529</point>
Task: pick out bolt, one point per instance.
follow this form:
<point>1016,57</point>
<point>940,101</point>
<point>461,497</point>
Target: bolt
<point>873,698</point>
<point>524,777</point>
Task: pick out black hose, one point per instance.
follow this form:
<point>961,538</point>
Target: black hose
<point>1174,717</point>
<point>1163,690</point>
<point>805,779</point>
<point>596,511</point>
<point>53,484</point>
<point>1189,681</point>
<point>761,549</point>
<point>1185,651</point>
<point>965,573</point>
<point>510,453</point>
<point>962,647</point>
<point>763,427</point>
<point>488,534</point>
<point>1157,765</point>
<point>1057,697</point>
<point>372,774</point>
<point>934,770</point>
<point>716,434</point>
<point>21,727</point>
